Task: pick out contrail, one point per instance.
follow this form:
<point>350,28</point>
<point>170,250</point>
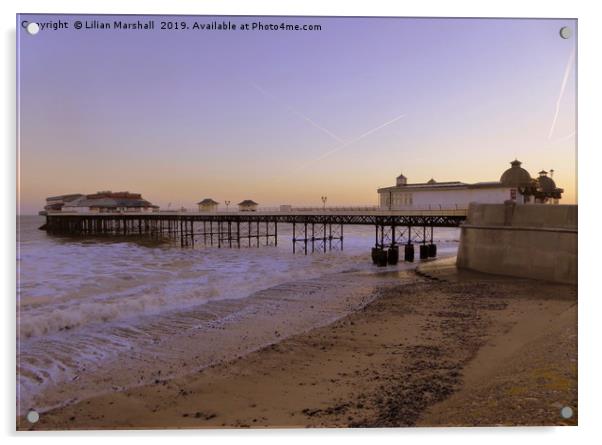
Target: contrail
<point>301,115</point>
<point>353,141</point>
<point>567,71</point>
<point>565,138</point>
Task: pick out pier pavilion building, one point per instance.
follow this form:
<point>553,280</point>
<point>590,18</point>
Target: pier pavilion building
<point>100,202</point>
<point>515,184</point>
<point>248,205</point>
<point>207,205</point>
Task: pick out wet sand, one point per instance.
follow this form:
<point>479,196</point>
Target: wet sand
<point>440,347</point>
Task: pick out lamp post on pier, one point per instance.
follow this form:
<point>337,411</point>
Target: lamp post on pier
<point>227,205</point>
<point>324,199</point>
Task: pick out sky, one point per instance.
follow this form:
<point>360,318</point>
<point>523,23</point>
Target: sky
<point>286,117</point>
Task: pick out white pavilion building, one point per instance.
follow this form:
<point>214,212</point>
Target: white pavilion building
<point>515,184</point>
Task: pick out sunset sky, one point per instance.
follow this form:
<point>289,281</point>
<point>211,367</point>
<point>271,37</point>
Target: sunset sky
<point>285,117</point>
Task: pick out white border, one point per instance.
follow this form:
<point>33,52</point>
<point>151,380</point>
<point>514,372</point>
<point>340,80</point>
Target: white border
<point>589,71</point>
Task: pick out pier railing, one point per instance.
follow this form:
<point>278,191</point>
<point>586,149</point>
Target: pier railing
<point>376,211</point>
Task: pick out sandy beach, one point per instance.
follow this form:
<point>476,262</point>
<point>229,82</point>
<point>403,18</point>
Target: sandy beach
<point>439,347</point>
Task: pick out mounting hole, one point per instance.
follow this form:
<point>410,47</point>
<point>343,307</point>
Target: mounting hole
<point>33,28</point>
<point>33,416</point>
<point>566,32</point>
<point>566,412</point>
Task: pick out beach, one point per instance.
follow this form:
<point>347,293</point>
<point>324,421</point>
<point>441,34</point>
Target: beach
<point>430,347</point>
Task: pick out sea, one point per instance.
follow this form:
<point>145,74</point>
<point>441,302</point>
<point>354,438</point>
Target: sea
<point>96,315</point>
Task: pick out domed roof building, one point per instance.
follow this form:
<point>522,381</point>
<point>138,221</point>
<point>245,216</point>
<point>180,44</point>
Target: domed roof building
<point>546,188</point>
<point>545,183</point>
<point>515,184</point>
<point>516,176</point>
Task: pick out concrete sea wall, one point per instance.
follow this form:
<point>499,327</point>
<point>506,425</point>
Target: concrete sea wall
<point>531,241</point>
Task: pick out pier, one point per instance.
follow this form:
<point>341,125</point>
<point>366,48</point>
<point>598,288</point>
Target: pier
<point>312,230</point>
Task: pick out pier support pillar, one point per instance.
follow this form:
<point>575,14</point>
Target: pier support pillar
<point>409,253</point>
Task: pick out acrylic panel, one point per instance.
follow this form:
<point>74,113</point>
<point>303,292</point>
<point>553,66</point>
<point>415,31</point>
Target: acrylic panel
<point>251,222</point>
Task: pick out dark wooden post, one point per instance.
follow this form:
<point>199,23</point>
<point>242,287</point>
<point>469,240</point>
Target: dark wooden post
<point>376,236</point>
<point>305,240</point>
<point>192,232</point>
<point>181,232</point>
